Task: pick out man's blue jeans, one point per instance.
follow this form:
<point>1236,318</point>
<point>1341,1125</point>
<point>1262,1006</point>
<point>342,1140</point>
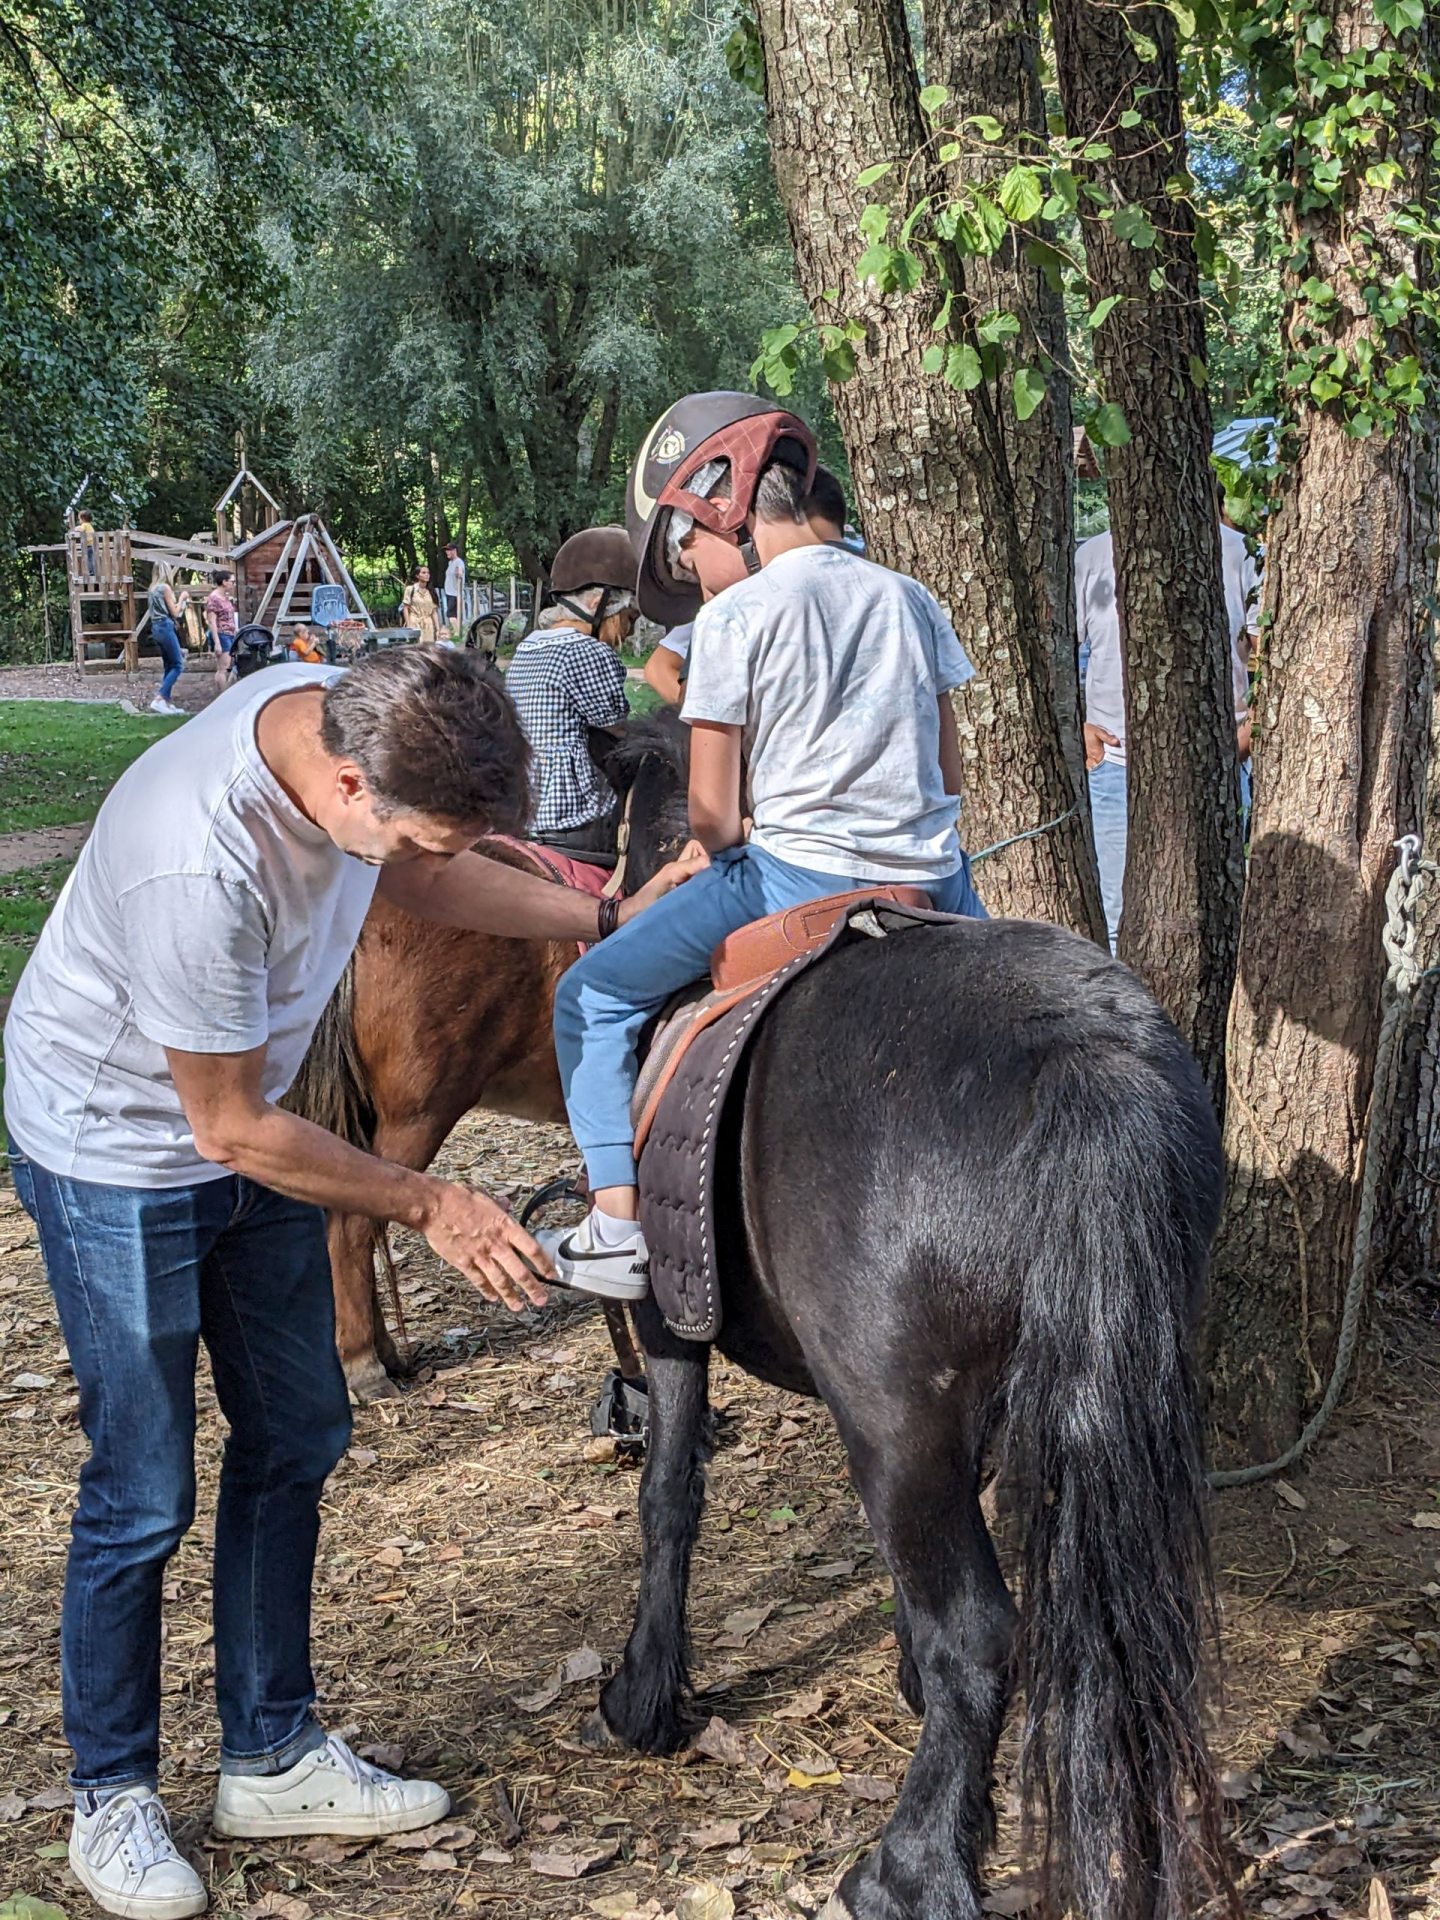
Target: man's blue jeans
<point>1108,817</point>
<point>604,1001</point>
<point>140,1277</point>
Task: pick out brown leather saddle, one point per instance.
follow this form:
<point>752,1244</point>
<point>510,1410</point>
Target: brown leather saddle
<point>689,1071</point>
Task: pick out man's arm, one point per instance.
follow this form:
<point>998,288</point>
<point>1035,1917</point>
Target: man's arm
<point>237,1127</point>
<point>485,897</point>
<point>715,803</point>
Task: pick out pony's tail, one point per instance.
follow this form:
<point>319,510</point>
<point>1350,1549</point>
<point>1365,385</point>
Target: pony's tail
<point>333,1089</point>
<point>1104,1466</point>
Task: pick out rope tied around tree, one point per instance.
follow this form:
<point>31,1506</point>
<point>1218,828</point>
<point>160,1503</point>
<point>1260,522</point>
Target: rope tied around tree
<point>1030,833</point>
<point>1403,976</point>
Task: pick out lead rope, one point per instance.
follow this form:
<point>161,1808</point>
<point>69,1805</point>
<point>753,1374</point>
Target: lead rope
<point>1403,976</point>
<point>1031,833</point>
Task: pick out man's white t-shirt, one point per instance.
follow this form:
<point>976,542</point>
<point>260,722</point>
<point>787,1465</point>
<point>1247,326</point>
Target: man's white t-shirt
<point>455,578</point>
<point>205,913</point>
<point>1098,622</point>
<point>834,667</point>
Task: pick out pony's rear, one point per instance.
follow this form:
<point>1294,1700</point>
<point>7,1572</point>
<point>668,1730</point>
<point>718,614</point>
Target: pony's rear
<point>981,1178</point>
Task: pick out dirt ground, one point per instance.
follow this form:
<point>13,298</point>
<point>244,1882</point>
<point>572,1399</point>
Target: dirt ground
<point>477,1571</point>
<point>196,688</point>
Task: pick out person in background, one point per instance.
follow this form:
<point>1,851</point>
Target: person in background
<point>420,609</point>
<point>1098,625</point>
<point>454,586</point>
<point>85,527</point>
<point>221,623</point>
<point>566,677</point>
<point>305,646</point>
<point>167,610</point>
<point>825,510</point>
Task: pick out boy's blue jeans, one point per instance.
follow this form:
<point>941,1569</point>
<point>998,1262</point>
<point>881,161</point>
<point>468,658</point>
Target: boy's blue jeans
<point>140,1277</point>
<point>604,1001</point>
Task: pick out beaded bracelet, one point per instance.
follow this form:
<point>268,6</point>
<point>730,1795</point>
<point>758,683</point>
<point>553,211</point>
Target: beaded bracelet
<point>608,916</point>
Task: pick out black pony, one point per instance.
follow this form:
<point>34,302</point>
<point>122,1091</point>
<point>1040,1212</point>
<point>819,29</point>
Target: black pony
<point>976,1175</point>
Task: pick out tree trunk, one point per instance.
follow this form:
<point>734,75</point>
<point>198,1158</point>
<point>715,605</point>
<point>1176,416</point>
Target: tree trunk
<point>1183,872</point>
<point>988,55</point>
<point>928,466</point>
<point>1334,768</point>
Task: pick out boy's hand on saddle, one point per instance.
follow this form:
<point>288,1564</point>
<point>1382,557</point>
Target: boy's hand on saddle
<point>479,1238</point>
<point>692,861</point>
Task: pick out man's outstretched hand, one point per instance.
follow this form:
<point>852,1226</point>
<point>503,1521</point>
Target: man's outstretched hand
<point>479,1238</point>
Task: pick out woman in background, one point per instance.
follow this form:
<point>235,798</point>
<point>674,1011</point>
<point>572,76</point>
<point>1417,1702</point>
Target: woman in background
<point>420,609</point>
<point>166,612</point>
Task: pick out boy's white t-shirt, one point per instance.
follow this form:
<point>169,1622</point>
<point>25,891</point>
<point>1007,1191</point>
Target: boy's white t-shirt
<point>1098,621</point>
<point>834,667</point>
<point>205,913</point>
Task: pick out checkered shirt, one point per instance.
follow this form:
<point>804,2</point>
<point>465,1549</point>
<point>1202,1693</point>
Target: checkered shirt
<point>563,681</point>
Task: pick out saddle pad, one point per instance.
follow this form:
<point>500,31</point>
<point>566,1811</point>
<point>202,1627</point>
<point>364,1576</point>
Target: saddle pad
<point>678,1173</point>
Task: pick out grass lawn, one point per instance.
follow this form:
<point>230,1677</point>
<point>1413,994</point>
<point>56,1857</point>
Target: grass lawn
<point>25,903</point>
<point>642,698</point>
<point>59,758</point>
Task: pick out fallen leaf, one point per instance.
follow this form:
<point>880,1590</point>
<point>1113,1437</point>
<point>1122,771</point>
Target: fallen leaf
<point>1294,1906</point>
<point>454,1551</point>
<point>807,1782</point>
<point>389,1557</point>
<point>550,1822</point>
<point>1367,1736</point>
<point>1235,1785</point>
<point>496,1857</point>
<point>538,1702</point>
<point>1306,1742</point>
<point>574,1866</point>
<point>1310,1884</point>
<point>32,1382</point>
<point>383,1753</point>
<point>363,1457</point>
<point>328,1850</point>
<point>1289,1495</point>
<point>832,1570</point>
<point>1431,1520</point>
<point>447,1834</point>
<point>279,1906</point>
<point>705,1902</point>
<point>868,1786</point>
<point>715,1833</point>
<point>1380,1908</point>
<point>25,1906</point>
<point>583,1664</point>
<point>1339,1547</point>
<point>623,1906</point>
<point>720,1741</point>
<point>51,1800</point>
<point>437,1860</point>
<point>12,1807</point>
<point>803,1707</point>
<point>739,1629</point>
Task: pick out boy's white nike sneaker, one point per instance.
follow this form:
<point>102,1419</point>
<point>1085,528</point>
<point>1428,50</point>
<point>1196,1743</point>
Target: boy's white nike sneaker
<point>588,1260</point>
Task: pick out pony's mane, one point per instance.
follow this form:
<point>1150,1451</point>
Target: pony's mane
<point>662,732</point>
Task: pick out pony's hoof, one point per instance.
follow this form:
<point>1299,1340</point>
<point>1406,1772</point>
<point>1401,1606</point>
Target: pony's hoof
<point>596,1732</point>
<point>834,1909</point>
<point>368,1381</point>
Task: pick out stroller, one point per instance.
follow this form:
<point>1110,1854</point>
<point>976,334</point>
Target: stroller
<point>252,650</point>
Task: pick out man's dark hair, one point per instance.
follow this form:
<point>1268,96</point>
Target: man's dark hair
<point>780,495</point>
<point>827,499</point>
<point>451,547</point>
<point>433,731</point>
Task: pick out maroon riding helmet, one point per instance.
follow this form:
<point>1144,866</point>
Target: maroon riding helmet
<point>746,432</point>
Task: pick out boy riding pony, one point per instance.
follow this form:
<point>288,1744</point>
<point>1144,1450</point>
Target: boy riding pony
<point>818,700</point>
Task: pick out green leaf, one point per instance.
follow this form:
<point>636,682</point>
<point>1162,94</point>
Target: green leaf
<point>25,1906</point>
<point>1132,223</point>
<point>906,271</point>
<point>1029,391</point>
<point>933,359</point>
<point>839,362</point>
<point>1396,15</point>
<point>986,125</point>
<point>1199,372</point>
<point>874,222</point>
<point>1101,312</point>
<point>1065,187</point>
<point>872,174</point>
<point>1107,426</point>
<point>997,327</point>
<point>962,367</point>
<point>1144,48</point>
<point>913,219</point>
<point>942,318</point>
<point>1021,193</point>
<point>951,150</point>
<point>990,221</point>
<point>1184,18</point>
<point>1130,118</point>
<point>933,98</point>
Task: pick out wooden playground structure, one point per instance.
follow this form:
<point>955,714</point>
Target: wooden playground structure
<point>278,564</point>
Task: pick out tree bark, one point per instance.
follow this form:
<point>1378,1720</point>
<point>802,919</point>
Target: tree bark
<point>1335,776</point>
<point>928,466</point>
<point>987,53</point>
<point>1183,872</point>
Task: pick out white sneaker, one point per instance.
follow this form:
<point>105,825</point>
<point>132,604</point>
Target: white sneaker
<point>611,1273</point>
<point>123,1856</point>
<point>331,1790</point>
<point>157,705</point>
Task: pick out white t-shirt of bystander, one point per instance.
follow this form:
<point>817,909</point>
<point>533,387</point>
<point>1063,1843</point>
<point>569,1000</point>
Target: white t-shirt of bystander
<point>205,913</point>
<point>833,667</point>
<point>455,579</point>
<point>1097,620</point>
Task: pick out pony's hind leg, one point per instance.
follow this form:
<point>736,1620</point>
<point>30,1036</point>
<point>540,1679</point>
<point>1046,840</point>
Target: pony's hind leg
<point>645,1705</point>
<point>959,1619</point>
<point>908,1682</point>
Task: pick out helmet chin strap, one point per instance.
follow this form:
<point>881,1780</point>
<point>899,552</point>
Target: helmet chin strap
<point>593,620</point>
<point>748,554</point>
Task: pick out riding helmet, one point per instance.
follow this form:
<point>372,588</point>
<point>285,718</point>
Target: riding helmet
<point>597,557</point>
<point>739,428</point>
